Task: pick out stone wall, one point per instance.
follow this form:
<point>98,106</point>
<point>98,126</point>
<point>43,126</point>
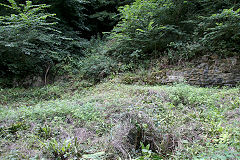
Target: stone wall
<point>210,72</point>
<point>207,71</point>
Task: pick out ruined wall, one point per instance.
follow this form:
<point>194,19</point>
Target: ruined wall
<point>207,71</point>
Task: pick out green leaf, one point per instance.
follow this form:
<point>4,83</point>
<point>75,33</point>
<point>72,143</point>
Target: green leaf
<point>94,156</point>
<point>140,30</point>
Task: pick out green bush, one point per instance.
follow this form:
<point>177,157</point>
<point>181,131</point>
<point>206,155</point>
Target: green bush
<point>19,33</point>
<point>146,28</point>
<point>221,32</point>
<point>182,51</point>
<point>96,67</point>
<point>179,29</point>
<point>30,44</point>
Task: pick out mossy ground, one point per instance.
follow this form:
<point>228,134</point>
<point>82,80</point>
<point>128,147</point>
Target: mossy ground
<point>112,120</point>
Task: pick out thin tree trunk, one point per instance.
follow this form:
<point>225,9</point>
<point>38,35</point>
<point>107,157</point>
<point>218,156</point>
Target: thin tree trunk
<point>46,73</point>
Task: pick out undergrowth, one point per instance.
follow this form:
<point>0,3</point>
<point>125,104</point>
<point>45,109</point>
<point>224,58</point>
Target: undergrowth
<point>117,121</point>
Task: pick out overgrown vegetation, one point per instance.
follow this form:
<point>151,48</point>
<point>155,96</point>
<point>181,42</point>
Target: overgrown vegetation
<point>40,40</point>
<point>113,120</point>
<point>87,50</point>
<point>179,30</point>
<point>31,45</point>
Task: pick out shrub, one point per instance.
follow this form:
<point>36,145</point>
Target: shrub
<point>25,37</point>
<point>221,32</point>
<point>96,67</point>
<point>146,28</point>
<point>30,44</point>
<point>182,51</point>
<point>179,29</point>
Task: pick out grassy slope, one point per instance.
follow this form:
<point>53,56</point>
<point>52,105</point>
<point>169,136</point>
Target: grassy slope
<point>110,120</point>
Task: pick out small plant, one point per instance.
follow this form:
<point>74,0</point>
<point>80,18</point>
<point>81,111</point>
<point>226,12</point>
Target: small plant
<point>45,132</point>
<point>146,151</point>
<point>62,151</point>
<point>87,113</point>
<point>148,154</point>
<point>13,128</point>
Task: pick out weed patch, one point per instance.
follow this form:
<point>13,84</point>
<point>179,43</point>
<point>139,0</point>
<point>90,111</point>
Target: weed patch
<point>112,121</point>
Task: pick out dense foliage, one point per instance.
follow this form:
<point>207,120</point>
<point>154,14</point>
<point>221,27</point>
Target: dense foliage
<point>36,41</point>
<point>221,31</point>
<point>88,18</point>
<point>146,26</point>
<point>176,29</point>
<point>30,43</point>
<point>55,37</point>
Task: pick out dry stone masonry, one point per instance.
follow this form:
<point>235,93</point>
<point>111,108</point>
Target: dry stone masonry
<point>210,71</point>
<point>207,71</point>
